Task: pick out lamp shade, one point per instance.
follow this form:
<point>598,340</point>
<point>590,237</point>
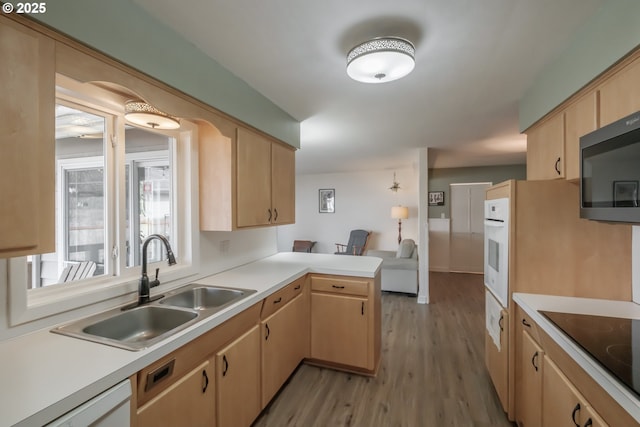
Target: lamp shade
<point>399,212</point>
<point>381,60</point>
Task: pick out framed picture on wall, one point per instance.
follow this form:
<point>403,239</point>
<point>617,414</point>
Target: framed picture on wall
<point>436,198</point>
<point>327,200</point>
<point>625,194</point>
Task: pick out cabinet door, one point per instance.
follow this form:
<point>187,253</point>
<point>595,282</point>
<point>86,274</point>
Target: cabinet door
<point>238,381</point>
<point>497,361</point>
<point>530,397</point>
<point>285,337</point>
<point>581,118</point>
<point>562,404</point>
<point>283,171</point>
<point>339,332</point>
<point>188,402</point>
<point>620,95</point>
<point>253,189</point>
<point>27,108</point>
<point>545,150</point>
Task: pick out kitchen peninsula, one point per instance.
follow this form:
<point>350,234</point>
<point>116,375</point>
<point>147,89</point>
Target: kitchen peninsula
<point>45,375</point>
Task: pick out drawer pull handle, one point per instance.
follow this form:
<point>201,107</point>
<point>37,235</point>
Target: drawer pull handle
<point>500,323</point>
<point>278,300</point>
<point>225,365</point>
<point>589,423</point>
<point>276,217</point>
<point>269,220</point>
<point>159,374</point>
<point>206,380</point>
<point>525,323</point>
<point>266,325</point>
<point>534,360</point>
<point>338,287</point>
<point>296,288</point>
<point>557,166</point>
<point>573,414</point>
<point>362,310</point>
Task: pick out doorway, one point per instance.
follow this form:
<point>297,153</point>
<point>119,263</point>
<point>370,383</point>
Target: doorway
<point>467,227</point>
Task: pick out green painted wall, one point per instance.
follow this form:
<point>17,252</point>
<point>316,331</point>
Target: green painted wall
<point>610,34</point>
<point>439,180</point>
<point>126,32</point>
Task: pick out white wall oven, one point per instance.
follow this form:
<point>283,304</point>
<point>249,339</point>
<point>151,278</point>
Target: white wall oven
<point>496,249</point>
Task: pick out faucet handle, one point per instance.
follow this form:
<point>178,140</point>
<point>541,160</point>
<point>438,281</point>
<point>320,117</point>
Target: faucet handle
<point>155,282</point>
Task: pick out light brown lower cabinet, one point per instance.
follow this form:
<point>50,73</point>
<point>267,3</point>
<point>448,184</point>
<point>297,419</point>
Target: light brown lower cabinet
<point>529,400</point>
<point>562,403</point>
<point>187,402</point>
<point>497,360</point>
<point>238,381</point>
<point>285,343</point>
<point>339,326</point>
<point>345,322</point>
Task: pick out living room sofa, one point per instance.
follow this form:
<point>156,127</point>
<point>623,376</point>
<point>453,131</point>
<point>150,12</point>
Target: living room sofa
<point>399,271</point>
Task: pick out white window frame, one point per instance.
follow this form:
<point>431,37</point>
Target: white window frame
<point>121,284</point>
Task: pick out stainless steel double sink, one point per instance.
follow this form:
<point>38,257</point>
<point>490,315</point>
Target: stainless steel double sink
<point>141,327</point>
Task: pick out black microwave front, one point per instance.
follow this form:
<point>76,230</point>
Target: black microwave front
<point>610,172</point>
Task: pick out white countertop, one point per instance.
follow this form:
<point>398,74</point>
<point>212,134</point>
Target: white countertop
<point>533,303</point>
<point>44,375</point>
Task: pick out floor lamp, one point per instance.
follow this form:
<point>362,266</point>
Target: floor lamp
<point>399,213</point>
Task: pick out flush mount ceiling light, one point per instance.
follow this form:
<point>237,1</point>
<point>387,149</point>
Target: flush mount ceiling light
<point>381,60</point>
<point>143,114</point>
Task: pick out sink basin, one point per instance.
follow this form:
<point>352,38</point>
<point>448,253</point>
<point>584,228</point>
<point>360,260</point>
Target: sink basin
<point>140,327</point>
<point>133,329</point>
<point>199,297</point>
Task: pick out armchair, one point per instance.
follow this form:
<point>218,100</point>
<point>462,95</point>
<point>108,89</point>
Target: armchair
<point>356,245</point>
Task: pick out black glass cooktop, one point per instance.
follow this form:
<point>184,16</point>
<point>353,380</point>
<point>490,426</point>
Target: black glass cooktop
<point>612,341</point>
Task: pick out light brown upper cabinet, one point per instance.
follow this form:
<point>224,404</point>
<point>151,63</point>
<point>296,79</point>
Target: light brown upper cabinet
<point>581,117</point>
<point>265,187</point>
<point>27,138</point>
<point>545,149</point>
<point>248,181</point>
<point>620,94</point>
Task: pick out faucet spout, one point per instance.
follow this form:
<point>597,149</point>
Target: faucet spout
<point>144,284</point>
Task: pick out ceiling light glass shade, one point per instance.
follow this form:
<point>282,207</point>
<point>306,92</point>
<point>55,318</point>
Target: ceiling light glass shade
<point>381,60</point>
<point>142,114</point>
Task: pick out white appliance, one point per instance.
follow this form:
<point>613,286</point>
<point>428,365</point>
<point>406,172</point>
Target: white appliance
<point>496,249</point>
<point>108,409</point>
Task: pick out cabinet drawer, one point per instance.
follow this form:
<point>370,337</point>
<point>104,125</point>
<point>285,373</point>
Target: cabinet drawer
<point>525,323</point>
<point>339,285</point>
<point>280,298</point>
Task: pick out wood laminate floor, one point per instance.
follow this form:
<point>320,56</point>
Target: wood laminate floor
<point>432,372</point>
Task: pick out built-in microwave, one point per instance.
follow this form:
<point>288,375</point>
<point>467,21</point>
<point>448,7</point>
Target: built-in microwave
<point>610,172</point>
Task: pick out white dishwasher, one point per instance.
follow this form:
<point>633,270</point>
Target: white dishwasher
<point>108,409</point>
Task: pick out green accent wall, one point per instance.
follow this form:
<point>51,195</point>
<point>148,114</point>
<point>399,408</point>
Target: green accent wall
<point>123,30</point>
<point>440,179</point>
<point>612,32</point>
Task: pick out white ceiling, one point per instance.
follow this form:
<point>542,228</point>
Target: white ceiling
<point>474,61</point>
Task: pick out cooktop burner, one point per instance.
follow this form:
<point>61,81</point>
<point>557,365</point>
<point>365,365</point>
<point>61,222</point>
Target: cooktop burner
<point>612,341</point>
